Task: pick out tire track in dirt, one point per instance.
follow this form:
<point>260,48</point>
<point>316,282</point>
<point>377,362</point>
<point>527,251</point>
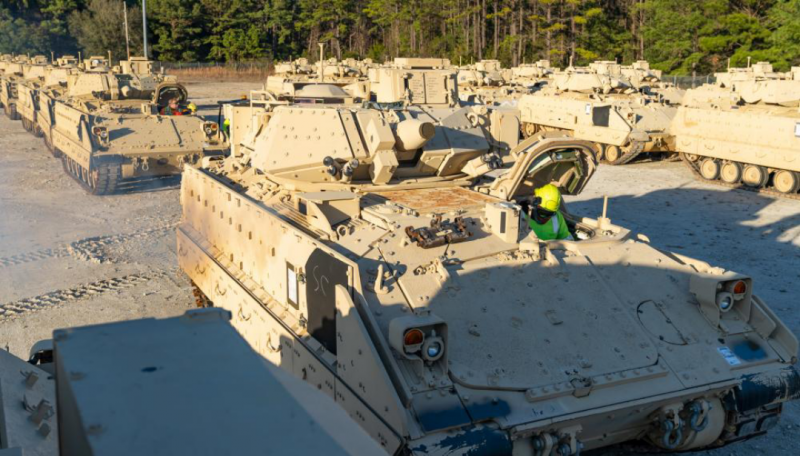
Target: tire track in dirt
<point>56,298</point>
<point>88,249</point>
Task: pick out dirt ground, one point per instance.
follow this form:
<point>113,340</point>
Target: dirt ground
<point>69,259</point>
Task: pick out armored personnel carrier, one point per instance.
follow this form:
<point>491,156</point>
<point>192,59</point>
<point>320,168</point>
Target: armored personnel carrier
<point>486,82</point>
<point>380,254</point>
<point>532,74</point>
<point>51,88</point>
<point>743,133</point>
<point>8,85</point>
<point>647,79</point>
<point>293,77</point>
<point>33,79</point>
<point>115,389</point>
<point>599,105</point>
<point>111,127</point>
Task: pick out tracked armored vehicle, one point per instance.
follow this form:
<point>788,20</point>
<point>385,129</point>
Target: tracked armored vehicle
<point>110,127</point>
<point>745,135</point>
<point>290,78</point>
<point>381,255</point>
<point>35,77</point>
<point>486,82</point>
<point>8,85</point>
<point>647,79</point>
<point>599,105</point>
<point>532,74</point>
<point>51,88</point>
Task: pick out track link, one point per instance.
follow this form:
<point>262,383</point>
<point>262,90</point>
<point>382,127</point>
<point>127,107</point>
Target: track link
<point>628,154</point>
<point>101,179</point>
<point>694,167</point>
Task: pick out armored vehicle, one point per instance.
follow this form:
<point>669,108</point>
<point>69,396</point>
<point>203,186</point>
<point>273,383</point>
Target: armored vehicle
<point>8,86</point>
<point>599,105</point>
<point>53,87</point>
<point>111,127</point>
<point>643,78</point>
<point>382,256</point>
<point>33,78</point>
<point>746,135</point>
<point>117,389</point>
<point>531,74</point>
<point>293,77</point>
<point>486,82</point>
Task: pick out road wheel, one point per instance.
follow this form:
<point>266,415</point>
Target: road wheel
<point>600,151</point>
<point>529,129</point>
<point>612,153</point>
<point>786,181</point>
<point>709,169</point>
<point>731,172</point>
<point>755,176</point>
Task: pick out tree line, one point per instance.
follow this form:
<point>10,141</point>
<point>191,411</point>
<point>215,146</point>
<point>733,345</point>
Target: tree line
<point>677,36</point>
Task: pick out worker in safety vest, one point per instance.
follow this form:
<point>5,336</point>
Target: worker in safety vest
<point>544,217</point>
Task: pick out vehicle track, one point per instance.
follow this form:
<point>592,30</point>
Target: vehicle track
<point>88,249</point>
<point>694,167</point>
<point>25,306</point>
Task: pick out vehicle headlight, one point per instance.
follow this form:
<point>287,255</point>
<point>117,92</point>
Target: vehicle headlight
<point>210,129</point>
<point>100,132</point>
<point>433,349</point>
<point>725,301</point>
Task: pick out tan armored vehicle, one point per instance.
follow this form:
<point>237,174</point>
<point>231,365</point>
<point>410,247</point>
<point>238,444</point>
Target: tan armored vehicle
<point>486,82</point>
<point>290,78</point>
<point>746,135</point>
<point>647,79</point>
<point>380,255</point>
<point>116,389</point>
<point>532,74</point>
<point>759,72</point>
<point>33,79</point>
<point>8,85</point>
<point>599,105</point>
<point>53,87</point>
<point>110,127</point>
<point>4,60</point>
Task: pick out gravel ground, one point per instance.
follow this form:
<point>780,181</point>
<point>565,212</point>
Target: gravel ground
<point>68,258</point>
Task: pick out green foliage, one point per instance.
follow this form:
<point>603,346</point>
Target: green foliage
<point>100,28</point>
<point>677,36</point>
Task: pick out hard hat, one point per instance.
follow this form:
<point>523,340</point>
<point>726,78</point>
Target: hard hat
<point>192,107</point>
<point>550,197</point>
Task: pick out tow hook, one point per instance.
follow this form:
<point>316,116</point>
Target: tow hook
<point>565,444</point>
<point>671,426</point>
<point>698,415</point>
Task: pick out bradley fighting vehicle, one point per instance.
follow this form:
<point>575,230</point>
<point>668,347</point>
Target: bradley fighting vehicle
<point>52,87</point>
<point>36,76</point>
<point>147,386</point>
<point>642,77</point>
<point>109,127</point>
<point>486,82</point>
<point>744,132</point>
<point>8,85</point>
<point>599,105</point>
<point>380,254</point>
<point>290,78</point>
